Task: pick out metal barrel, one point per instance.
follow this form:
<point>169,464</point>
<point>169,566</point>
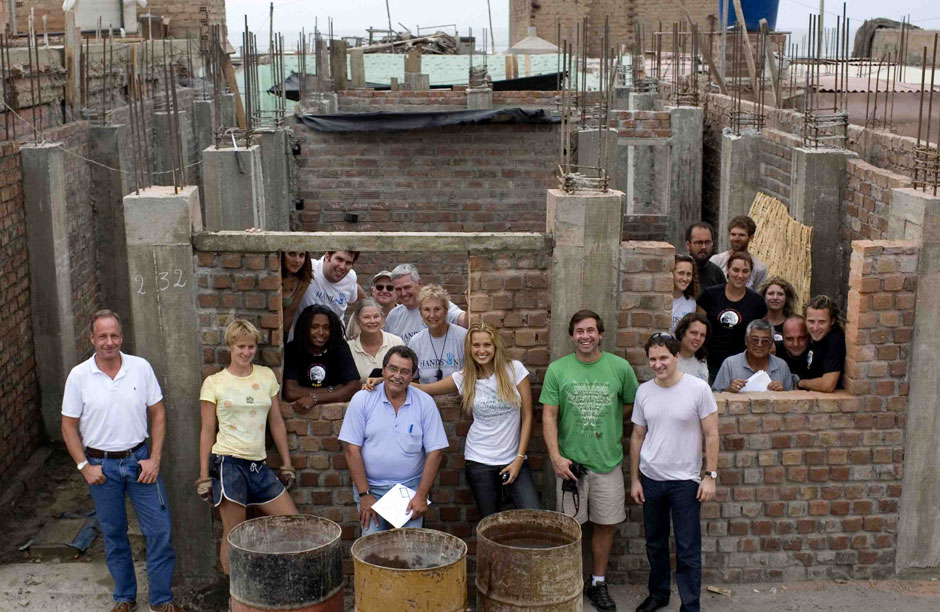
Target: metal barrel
<point>419,570</point>
<point>286,563</point>
<point>529,560</point>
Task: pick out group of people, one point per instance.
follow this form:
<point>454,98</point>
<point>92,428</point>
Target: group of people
<point>732,321</point>
<point>405,342</point>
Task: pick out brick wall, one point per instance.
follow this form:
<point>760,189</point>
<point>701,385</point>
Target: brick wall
<point>776,163</point>
<point>641,124</point>
<point>645,298</point>
<point>368,100</point>
<point>20,415</point>
<point>184,14</point>
<point>233,286</point>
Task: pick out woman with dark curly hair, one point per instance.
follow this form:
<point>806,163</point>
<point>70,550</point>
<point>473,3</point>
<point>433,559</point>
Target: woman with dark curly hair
<point>319,368</point>
<point>780,296</point>
<point>692,333</point>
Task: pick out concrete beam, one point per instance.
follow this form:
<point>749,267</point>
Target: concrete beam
<point>234,188</point>
<point>685,183</point>
<point>159,225</point>
<point>919,521</point>
<point>275,156</point>
<point>585,261</point>
<point>164,143</point>
<point>108,189</point>
<point>817,180</point>
<point>457,242</point>
<point>740,179</point>
<point>44,187</point>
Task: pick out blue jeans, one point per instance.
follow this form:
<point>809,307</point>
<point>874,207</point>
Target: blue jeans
<point>488,489</point>
<point>380,524</point>
<point>678,499</point>
<point>149,501</point>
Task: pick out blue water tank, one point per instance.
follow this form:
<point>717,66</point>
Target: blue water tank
<point>754,11</point>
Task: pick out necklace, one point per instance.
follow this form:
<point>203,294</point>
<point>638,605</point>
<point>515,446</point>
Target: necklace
<point>438,359</point>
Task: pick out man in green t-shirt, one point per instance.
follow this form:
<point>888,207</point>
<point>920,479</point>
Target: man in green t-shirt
<point>583,396</point>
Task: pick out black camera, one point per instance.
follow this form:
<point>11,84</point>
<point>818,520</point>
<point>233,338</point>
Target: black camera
<point>578,470</point>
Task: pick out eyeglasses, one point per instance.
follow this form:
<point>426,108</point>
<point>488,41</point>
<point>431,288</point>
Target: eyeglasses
<point>396,370</point>
<point>702,243</point>
<point>760,341</point>
<point>385,287</point>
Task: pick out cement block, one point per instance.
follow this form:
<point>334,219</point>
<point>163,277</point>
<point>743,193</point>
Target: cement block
<point>641,101</point>
<point>685,185</point>
<point>276,184</point>
<point>740,179</point>
<point>108,189</point>
<point>234,188</point>
<point>160,264</point>
<point>906,214</point>
<point>44,178</point>
<point>479,99</point>
<point>164,144</point>
<point>322,103</point>
<point>621,99</point>
<point>417,82</point>
<point>817,180</point>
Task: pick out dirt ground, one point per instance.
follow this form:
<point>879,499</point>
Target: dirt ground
<point>81,582</point>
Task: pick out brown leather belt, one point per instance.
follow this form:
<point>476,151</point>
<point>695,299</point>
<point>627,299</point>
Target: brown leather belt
<point>94,453</point>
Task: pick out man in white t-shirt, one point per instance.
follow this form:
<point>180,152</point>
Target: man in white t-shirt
<point>405,319</point>
<point>105,406</point>
<point>670,415</point>
<point>333,285</point>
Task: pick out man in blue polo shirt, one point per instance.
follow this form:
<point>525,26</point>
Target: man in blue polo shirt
<point>392,435</point>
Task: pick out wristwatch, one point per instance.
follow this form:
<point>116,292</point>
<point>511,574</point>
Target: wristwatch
<point>364,493</point>
<point>81,466</point>
<point>712,475</point>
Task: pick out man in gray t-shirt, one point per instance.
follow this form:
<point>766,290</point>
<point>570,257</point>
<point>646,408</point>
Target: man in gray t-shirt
<point>405,319</point>
<point>670,415</point>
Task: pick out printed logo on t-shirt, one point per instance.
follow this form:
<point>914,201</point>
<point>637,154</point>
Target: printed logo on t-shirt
<point>590,401</point>
<point>809,358</point>
<point>249,400</point>
<point>317,374</point>
<point>449,360</point>
<point>729,318</point>
<point>339,300</point>
<point>778,338</point>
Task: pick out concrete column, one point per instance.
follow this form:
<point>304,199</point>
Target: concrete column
<point>274,166</point>
<point>817,179</point>
<point>585,261</point>
<point>108,189</point>
<point>641,101</point>
<point>44,187</point>
<point>740,176</point>
<point>357,69</point>
<point>479,99</point>
<point>919,521</point>
<point>164,143</point>
<point>417,82</point>
<point>159,225</point>
<point>203,123</point>
<point>322,103</point>
<point>227,110</point>
<point>621,100</point>
<point>906,217</point>
<point>685,153</point>
<point>588,143</point>
<point>234,188</point>
<point>338,65</point>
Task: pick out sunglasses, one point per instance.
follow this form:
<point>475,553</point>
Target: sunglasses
<point>384,287</point>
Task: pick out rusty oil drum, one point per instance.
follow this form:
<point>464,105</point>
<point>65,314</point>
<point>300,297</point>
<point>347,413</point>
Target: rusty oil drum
<point>419,570</point>
<point>529,560</point>
<point>290,563</point>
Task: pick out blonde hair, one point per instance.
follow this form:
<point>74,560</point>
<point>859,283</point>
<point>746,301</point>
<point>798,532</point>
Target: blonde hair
<point>240,328</point>
<point>434,292</point>
<point>473,372</point>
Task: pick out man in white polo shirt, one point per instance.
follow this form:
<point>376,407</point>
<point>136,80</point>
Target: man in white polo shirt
<point>105,407</point>
<point>671,414</point>
<point>333,284</point>
<point>405,319</point>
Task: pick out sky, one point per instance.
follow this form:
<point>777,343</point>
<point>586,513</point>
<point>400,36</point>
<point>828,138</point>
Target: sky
<point>352,17</point>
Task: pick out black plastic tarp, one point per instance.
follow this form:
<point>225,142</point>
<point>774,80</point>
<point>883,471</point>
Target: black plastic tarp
<point>540,82</point>
<point>400,122</point>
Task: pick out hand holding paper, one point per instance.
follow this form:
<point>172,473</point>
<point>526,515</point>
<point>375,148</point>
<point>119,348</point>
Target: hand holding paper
<point>396,506</point>
<point>757,382</point>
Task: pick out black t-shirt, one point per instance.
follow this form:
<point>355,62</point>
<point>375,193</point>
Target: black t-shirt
<point>331,369</point>
<point>728,321</point>
<point>825,356</point>
<point>710,275</point>
<point>797,364</point>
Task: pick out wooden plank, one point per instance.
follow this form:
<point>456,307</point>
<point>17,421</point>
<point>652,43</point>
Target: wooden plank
<point>233,87</point>
<point>73,44</point>
<point>705,50</point>
<point>769,58</point>
<point>748,56</point>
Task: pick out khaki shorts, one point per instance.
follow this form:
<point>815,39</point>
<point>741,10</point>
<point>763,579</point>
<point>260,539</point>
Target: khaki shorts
<point>602,496</point>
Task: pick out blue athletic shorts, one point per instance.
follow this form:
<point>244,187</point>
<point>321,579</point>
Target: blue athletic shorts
<point>244,482</point>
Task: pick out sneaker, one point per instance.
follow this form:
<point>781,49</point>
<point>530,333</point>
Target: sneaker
<point>599,596</point>
<point>167,607</point>
<point>124,606</point>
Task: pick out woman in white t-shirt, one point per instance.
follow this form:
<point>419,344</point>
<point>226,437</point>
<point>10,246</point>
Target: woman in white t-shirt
<point>684,288</point>
<point>496,393</point>
<point>692,333</point>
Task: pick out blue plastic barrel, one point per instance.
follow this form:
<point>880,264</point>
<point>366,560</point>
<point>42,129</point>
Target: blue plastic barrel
<point>754,11</point>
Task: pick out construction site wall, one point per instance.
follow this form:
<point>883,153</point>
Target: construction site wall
<point>622,15</point>
<point>184,15</point>
<point>369,100</point>
<point>20,415</point>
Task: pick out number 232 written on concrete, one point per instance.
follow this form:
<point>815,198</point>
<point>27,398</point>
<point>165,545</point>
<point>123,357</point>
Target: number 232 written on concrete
<point>164,280</point>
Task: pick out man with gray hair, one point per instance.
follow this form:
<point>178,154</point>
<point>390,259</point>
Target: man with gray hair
<point>758,340</point>
<point>405,319</point>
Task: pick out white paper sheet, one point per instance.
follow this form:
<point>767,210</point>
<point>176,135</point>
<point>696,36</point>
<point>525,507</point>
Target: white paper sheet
<point>757,382</point>
<point>393,506</point>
